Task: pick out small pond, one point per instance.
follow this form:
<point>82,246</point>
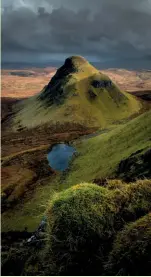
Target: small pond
<point>60,155</point>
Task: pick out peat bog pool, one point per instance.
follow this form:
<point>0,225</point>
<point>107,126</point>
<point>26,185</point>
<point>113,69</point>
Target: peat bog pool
<point>60,156</point>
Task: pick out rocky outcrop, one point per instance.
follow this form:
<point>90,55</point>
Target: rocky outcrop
<point>136,166</point>
<point>102,84</point>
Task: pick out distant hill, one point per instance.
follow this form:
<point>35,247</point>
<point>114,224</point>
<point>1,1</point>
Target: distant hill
<point>79,93</point>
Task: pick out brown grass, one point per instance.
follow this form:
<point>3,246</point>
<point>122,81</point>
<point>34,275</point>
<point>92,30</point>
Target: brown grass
<point>15,181</point>
<point>16,86</point>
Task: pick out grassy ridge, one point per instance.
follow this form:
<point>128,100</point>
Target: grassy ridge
<point>99,156</point>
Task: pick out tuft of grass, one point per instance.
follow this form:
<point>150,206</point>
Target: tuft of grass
<point>132,200</point>
<point>83,222</point>
<point>131,253</point>
<point>80,219</point>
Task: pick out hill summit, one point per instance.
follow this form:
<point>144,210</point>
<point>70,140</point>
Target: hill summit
<point>75,71</point>
<point>79,93</point>
<point>53,92</point>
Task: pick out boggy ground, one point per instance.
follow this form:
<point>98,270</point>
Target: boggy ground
<point>25,166</point>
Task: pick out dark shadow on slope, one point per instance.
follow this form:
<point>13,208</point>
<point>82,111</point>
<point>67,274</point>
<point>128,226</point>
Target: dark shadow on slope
<point>136,166</point>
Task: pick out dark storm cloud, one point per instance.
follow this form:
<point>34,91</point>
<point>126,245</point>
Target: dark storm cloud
<point>104,30</point>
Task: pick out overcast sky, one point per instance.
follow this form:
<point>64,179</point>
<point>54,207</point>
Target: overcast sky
<point>114,33</point>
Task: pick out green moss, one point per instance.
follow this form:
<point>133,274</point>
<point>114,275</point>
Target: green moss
<point>84,220</point>
<point>132,201</point>
<point>80,218</point>
<point>131,254</point>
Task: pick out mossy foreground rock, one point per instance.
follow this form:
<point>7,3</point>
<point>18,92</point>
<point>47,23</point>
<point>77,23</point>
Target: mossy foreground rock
<point>131,254</point>
<point>81,220</point>
<point>84,220</point>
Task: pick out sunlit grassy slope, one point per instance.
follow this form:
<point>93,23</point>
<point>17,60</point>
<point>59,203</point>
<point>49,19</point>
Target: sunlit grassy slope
<point>73,96</point>
<point>99,156</point>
